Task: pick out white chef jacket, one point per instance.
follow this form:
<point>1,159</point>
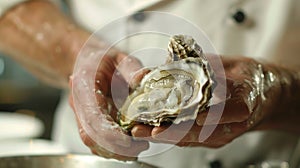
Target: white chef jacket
<point>273,36</point>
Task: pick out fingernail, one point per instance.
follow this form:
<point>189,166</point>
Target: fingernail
<point>160,133</point>
<point>138,131</point>
<point>157,130</point>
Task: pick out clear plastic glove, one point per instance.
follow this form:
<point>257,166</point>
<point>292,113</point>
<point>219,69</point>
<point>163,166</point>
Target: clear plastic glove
<point>255,93</point>
<point>96,119</point>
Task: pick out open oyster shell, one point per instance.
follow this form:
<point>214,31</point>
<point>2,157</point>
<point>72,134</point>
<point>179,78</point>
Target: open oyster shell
<point>173,92</point>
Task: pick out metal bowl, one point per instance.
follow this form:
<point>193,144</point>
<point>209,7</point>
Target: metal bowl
<point>67,161</point>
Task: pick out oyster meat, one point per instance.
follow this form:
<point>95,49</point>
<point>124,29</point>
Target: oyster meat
<point>173,92</point>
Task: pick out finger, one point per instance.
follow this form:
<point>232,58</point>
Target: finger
<point>216,136</point>
<point>130,68</point>
<point>127,65</point>
<point>234,111</point>
<point>115,148</point>
<point>141,130</point>
<point>96,126</point>
<point>105,105</point>
<point>85,138</point>
<point>173,133</point>
<point>110,93</point>
<point>131,153</point>
<point>94,116</point>
<point>135,148</point>
<point>104,75</point>
<point>231,61</point>
<point>107,84</point>
<point>221,135</point>
<point>137,77</point>
<point>102,83</point>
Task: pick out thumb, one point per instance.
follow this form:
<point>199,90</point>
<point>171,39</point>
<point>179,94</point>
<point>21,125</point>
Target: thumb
<point>130,68</point>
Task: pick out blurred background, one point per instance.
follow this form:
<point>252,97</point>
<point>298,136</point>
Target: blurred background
<point>18,98</point>
<point>18,91</point>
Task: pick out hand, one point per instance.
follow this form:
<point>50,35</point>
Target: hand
<point>253,95</point>
<point>97,125</point>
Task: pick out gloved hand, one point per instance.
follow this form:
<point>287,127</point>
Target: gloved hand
<point>96,121</point>
<point>256,94</point>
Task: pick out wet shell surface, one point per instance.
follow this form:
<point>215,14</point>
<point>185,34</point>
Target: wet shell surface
<point>173,92</point>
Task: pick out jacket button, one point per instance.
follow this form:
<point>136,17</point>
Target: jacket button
<point>215,164</point>
<point>139,16</point>
<point>239,16</point>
